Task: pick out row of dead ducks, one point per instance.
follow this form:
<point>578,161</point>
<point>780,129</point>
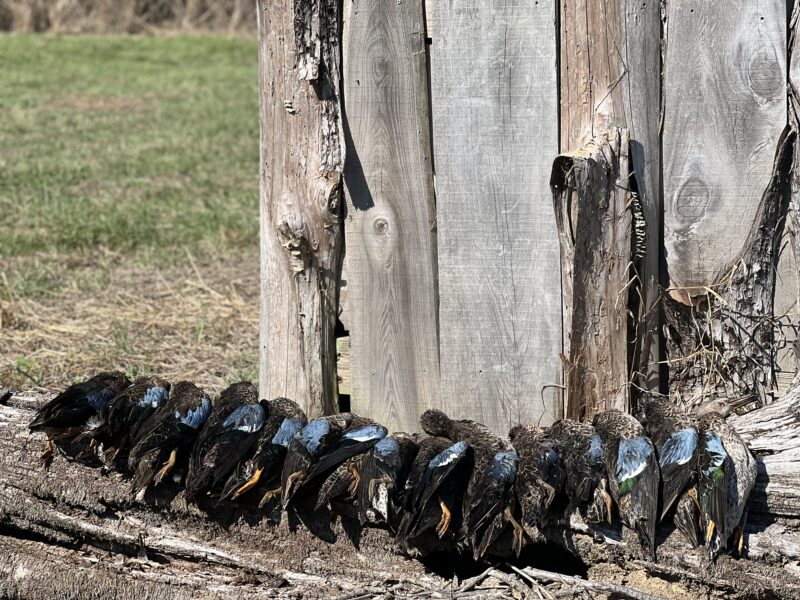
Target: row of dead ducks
<point>461,480</point>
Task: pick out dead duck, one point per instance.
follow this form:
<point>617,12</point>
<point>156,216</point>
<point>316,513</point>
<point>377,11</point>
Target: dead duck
<point>632,471</point>
<point>127,414</point>
<point>674,433</point>
<point>323,445</point>
<point>435,488</point>
<point>540,476</point>
<point>727,473</point>
<point>687,517</point>
<point>581,452</point>
<point>493,475</point>
<point>229,432</point>
<point>263,467</point>
<point>384,472</point>
<point>67,415</point>
<point>171,430</point>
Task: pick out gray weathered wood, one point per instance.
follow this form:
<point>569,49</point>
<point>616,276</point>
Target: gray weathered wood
<point>302,156</point>
<point>390,260</point>
<point>495,131</point>
<point>610,62</point>
<point>592,203</point>
<point>725,109</point>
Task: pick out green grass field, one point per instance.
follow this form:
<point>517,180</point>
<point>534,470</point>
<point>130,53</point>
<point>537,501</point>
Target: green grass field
<point>126,162</point>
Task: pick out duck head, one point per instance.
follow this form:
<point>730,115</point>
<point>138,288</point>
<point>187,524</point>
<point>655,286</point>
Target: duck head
<point>434,422</point>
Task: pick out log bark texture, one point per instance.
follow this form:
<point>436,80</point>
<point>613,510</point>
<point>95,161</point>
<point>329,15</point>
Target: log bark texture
<point>723,343</point>
<point>96,540</point>
<point>594,219</point>
<point>302,159</point>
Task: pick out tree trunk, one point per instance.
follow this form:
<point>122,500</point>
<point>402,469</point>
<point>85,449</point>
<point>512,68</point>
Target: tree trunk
<point>302,159</point>
<point>722,343</point>
<point>594,219</point>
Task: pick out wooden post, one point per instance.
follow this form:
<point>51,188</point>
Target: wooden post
<point>595,214</point>
<point>302,159</point>
<point>495,132</point>
<point>390,263</point>
<point>610,77</point>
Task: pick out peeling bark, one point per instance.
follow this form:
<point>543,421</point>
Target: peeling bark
<point>302,153</point>
<point>593,199</point>
<point>723,342</point>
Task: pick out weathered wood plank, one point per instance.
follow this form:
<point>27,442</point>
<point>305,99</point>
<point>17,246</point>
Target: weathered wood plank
<point>302,156</point>
<point>343,365</point>
<point>725,101</point>
<point>390,223</point>
<point>495,130</point>
<point>611,77</point>
<point>592,203</point>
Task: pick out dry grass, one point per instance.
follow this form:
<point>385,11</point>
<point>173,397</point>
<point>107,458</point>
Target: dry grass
<point>126,16</point>
<point>196,322</point>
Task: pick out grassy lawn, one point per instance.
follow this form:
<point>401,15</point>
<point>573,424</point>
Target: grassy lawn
<point>128,207</point>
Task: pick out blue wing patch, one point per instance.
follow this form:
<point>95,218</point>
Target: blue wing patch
<point>679,447</point>
<point>367,433</point>
<point>248,418</point>
<point>716,449</point>
<point>312,434</point>
<point>98,400</point>
<point>287,431</point>
<point>195,417</point>
<point>154,397</point>
<point>632,458</point>
<point>387,447</point>
<point>504,467</point>
<point>448,455</point>
<point>595,452</point>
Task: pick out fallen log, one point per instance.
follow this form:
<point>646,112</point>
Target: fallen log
<point>72,531</point>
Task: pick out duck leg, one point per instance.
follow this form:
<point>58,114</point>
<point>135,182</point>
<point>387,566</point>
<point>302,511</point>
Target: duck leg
<point>250,484</point>
<point>444,522</point>
<point>269,496</point>
<point>47,454</point>
<point>168,466</point>
<point>89,451</point>
<point>356,473</point>
<point>519,531</point>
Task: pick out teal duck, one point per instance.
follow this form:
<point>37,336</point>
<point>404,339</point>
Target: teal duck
<point>126,415</point>
<point>228,434</point>
<point>171,430</point>
<point>632,470</point>
<point>581,452</point>
<point>493,476</point>
<point>322,446</point>
<point>384,472</point>
<point>262,469</point>
<point>674,434</point>
<point>80,406</point>
<point>540,476</point>
<point>727,473</point>
<point>435,488</point>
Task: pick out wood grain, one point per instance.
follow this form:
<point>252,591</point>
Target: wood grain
<point>611,77</point>
<point>302,157</point>
<point>390,224</point>
<point>495,130</point>
<point>594,228</point>
<point>725,109</point>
